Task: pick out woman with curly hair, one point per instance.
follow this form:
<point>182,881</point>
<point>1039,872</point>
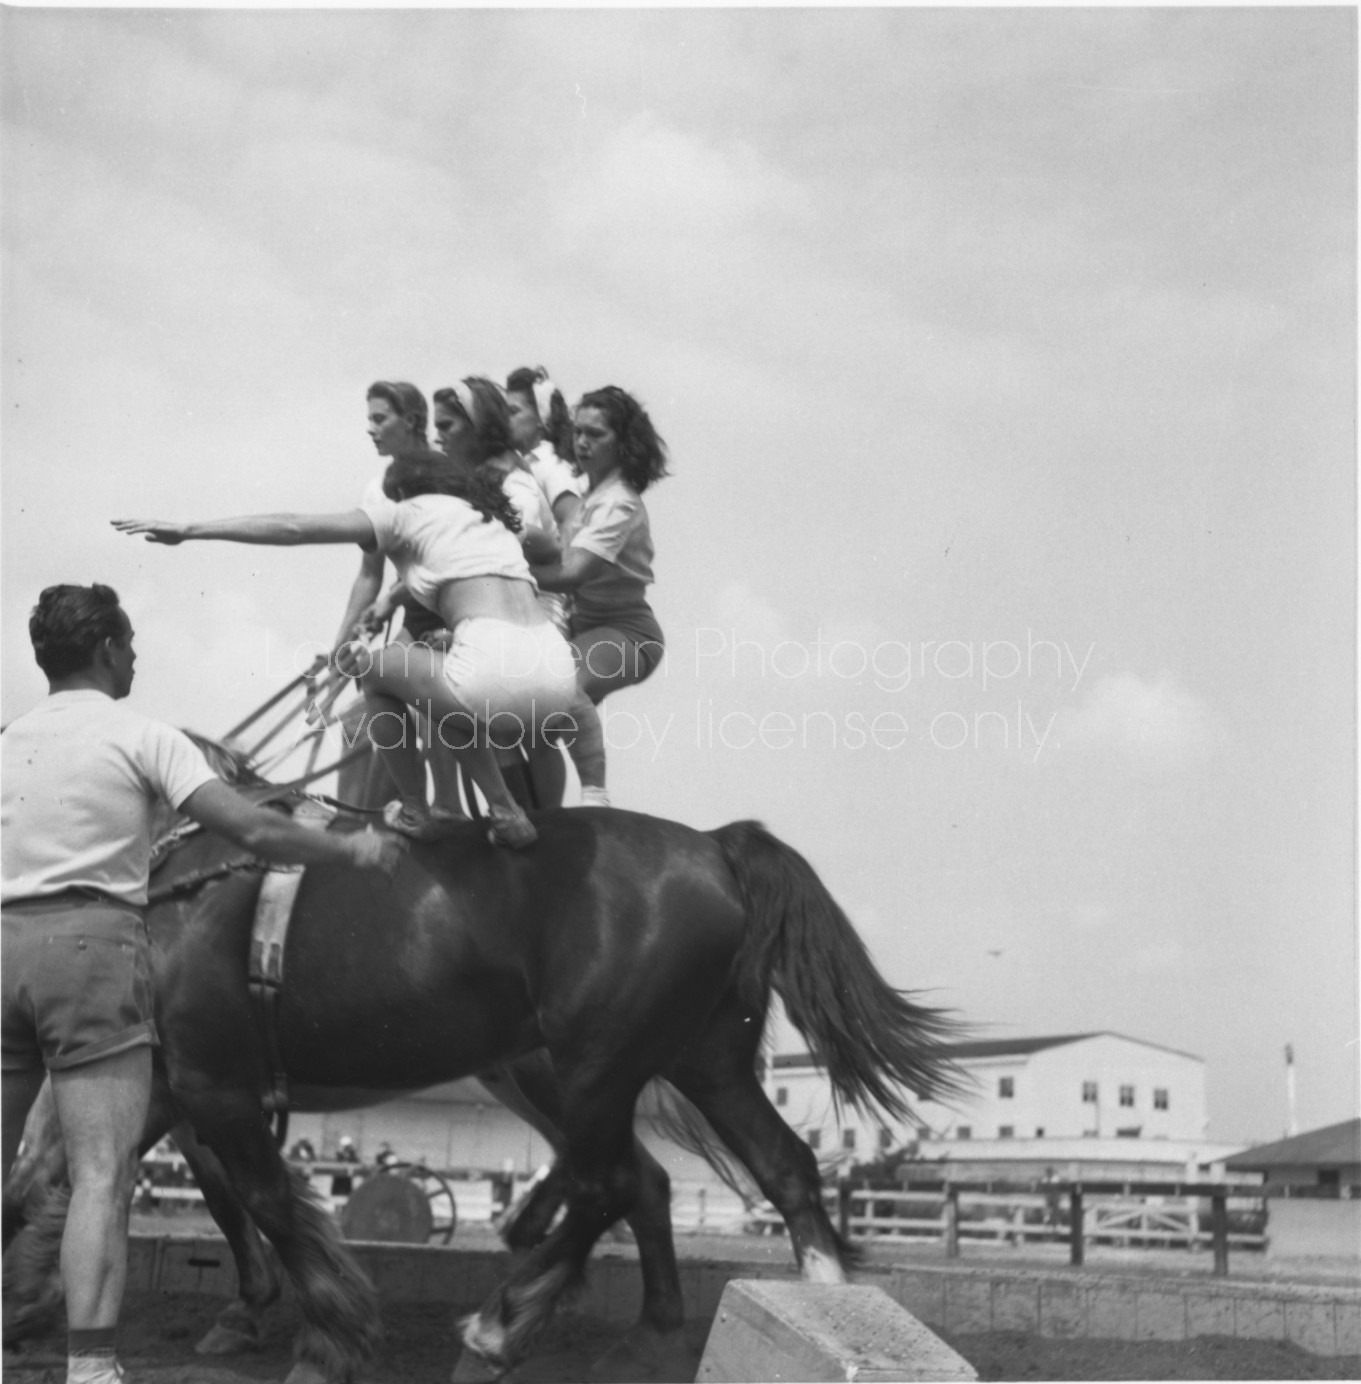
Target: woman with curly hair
<point>606,562</point>
<point>451,536</point>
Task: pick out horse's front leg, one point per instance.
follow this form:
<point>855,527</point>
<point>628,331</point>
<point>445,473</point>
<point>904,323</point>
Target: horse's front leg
<point>339,1306</point>
<point>238,1324</point>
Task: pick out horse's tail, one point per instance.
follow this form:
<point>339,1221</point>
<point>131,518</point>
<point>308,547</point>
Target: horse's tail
<point>873,1041</point>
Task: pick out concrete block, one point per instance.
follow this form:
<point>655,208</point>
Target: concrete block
<point>1348,1322</point>
<point>1063,1308</point>
<point>1111,1312</point>
<point>1208,1315</point>
<point>922,1294</point>
<point>143,1263</point>
<point>1259,1319</point>
<point>968,1303</point>
<point>1015,1304</point>
<point>1159,1316</point>
<point>821,1331</point>
<point>1312,1326</point>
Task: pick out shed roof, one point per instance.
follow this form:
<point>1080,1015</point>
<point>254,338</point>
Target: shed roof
<point>1332,1146</point>
<point>1002,1047</point>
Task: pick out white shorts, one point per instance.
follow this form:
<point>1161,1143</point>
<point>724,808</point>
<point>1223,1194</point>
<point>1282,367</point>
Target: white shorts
<point>502,673</point>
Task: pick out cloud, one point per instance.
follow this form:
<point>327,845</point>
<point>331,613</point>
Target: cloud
<point>1155,727</point>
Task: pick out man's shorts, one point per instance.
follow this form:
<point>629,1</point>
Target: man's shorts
<point>75,983</point>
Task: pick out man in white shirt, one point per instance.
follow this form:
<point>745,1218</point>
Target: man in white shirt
<point>83,779</point>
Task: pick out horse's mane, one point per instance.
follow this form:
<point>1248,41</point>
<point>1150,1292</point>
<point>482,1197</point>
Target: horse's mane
<point>233,766</point>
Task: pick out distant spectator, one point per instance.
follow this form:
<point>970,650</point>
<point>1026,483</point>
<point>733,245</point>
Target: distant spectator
<point>303,1152</point>
<point>387,1158</point>
<point>342,1184</point>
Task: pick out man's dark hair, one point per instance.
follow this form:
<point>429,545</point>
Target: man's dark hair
<point>69,622</point>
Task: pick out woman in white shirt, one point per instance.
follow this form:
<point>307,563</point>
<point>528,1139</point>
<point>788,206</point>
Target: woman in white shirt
<point>451,539</point>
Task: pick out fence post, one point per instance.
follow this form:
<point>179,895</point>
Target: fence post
<point>843,1208</point>
<point>1219,1231</point>
<point>1075,1248</point>
<point>951,1212</point>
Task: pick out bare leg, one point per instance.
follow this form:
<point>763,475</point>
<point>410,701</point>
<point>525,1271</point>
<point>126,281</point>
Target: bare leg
<point>102,1107</point>
<point>411,676</point>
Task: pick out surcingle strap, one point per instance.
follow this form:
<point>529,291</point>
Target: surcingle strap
<point>269,933</point>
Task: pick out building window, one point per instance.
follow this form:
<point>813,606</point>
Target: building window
<point>1132,1132</point>
<point>814,1137</point>
<point>885,1139</point>
<point>964,1132</point>
<point>848,1138</point>
<point>1160,1097</point>
<point>1089,1092</point>
<point>782,1095</point>
<point>1005,1131</point>
<point>1127,1095</point>
<point>1039,1131</point>
<point>1006,1087</point>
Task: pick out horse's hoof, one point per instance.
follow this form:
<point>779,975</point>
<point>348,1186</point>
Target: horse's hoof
<point>473,1368</point>
<point>226,1340</point>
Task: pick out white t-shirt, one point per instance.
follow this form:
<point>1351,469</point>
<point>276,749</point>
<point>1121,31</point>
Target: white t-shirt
<point>433,539</point>
<point>555,476</point>
<point>611,522</point>
<point>83,777</point>
<point>531,507</point>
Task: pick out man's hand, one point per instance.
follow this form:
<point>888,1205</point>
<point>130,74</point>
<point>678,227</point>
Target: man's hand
<point>377,850</point>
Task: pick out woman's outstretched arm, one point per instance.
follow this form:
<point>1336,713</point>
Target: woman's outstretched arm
<point>278,530</point>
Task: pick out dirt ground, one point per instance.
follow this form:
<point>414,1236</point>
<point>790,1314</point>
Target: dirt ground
<point>421,1347</point>
<point>421,1343</point>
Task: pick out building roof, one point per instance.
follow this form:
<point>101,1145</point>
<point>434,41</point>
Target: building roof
<point>1002,1047</point>
<point>1332,1146</point>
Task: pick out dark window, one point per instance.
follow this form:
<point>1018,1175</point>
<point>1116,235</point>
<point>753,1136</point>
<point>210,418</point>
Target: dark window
<point>885,1139</point>
<point>1089,1092</point>
<point>781,1095</point>
<point>1160,1097</point>
<point>964,1132</point>
<point>1329,1177</point>
<point>848,1138</point>
<point>814,1138</point>
<point>1039,1132</point>
<point>1127,1095</point>
<point>1006,1087</point>
<point>1132,1132</point>
<point>1005,1131</point>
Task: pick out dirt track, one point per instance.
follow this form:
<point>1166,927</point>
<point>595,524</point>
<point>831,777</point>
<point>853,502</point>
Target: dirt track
<point>159,1331</point>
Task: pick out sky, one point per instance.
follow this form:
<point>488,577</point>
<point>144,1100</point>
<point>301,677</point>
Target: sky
<point>1007,364</point>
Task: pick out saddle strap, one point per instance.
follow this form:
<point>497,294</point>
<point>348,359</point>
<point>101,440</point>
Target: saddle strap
<point>269,934</point>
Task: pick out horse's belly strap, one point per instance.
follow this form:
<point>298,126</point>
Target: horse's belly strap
<point>269,933</point>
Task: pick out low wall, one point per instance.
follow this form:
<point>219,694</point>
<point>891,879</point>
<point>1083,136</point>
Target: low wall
<point>1044,1302</point>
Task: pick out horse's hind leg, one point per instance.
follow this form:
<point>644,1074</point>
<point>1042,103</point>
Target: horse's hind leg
<point>238,1324</point>
<point>717,1074</point>
<point>529,1086</point>
<point>603,1181</point>
<point>338,1304</point>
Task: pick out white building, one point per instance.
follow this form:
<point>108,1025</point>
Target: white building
<point>1062,1101</point>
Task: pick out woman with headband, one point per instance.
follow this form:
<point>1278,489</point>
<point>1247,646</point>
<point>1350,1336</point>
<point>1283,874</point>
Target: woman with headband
<point>473,422</point>
<point>541,427</point>
<point>606,562</point>
<point>451,539</point>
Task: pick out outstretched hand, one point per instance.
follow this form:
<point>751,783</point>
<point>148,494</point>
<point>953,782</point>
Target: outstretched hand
<point>153,530</point>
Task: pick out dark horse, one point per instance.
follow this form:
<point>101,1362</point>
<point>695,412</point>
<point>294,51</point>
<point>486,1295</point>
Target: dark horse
<point>623,947</point>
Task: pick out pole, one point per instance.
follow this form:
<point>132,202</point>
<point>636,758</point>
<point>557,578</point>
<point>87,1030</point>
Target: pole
<point>1075,1245</point>
<point>1292,1127</point>
<point>1219,1232</point>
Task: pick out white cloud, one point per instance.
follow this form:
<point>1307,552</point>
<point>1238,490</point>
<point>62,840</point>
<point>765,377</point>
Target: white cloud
<point>1155,726</point>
